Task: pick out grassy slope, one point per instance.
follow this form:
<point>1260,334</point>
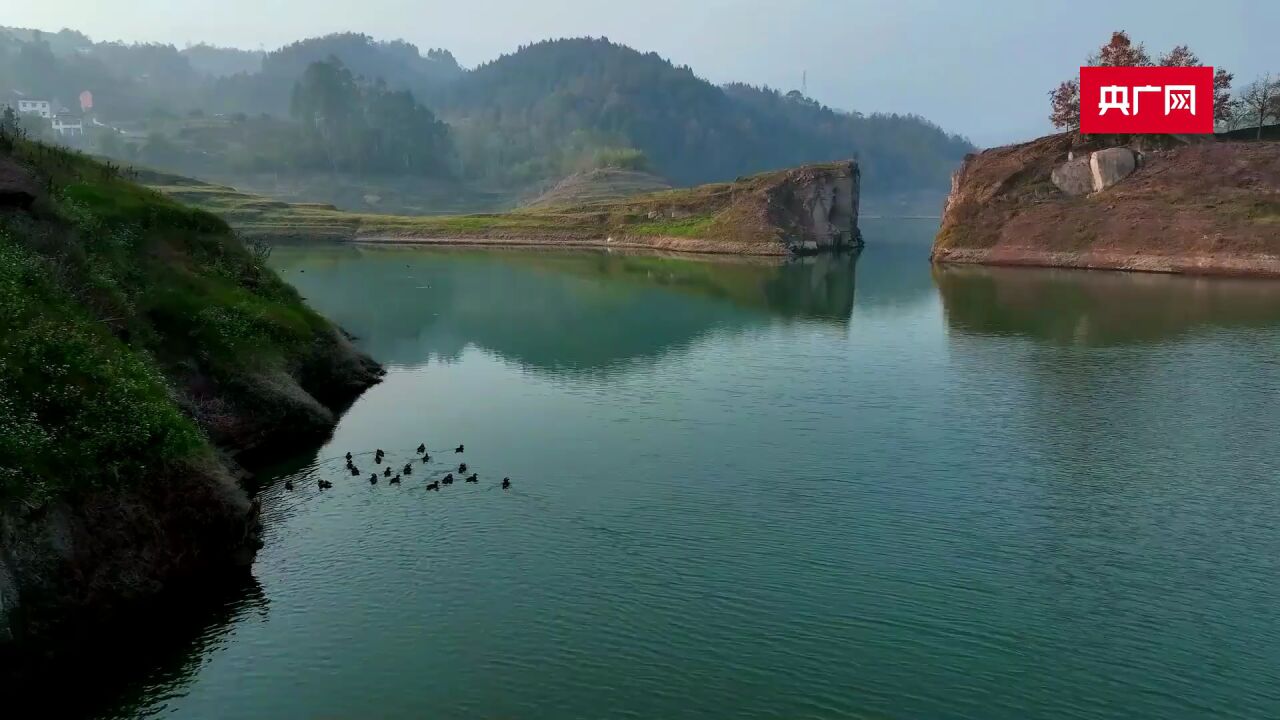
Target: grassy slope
<point>599,184</point>
<point>109,293</point>
<point>717,213</point>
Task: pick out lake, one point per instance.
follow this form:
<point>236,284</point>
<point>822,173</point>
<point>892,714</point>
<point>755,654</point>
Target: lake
<point>834,488</point>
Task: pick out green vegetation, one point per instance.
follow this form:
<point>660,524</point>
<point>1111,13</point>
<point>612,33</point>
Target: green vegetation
<point>113,299</point>
<point>731,213</point>
<point>367,114</point>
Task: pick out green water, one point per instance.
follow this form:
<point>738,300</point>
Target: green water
<point>751,490</point>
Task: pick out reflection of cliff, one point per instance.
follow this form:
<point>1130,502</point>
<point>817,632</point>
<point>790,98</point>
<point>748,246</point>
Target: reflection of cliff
<point>555,311</point>
<point>119,667</point>
<point>1099,308</point>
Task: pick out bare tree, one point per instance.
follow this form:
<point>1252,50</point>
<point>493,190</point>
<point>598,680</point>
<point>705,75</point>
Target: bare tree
<point>1259,101</point>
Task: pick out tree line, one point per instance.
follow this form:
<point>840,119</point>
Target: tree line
<point>349,103</point>
<point>1254,106</point>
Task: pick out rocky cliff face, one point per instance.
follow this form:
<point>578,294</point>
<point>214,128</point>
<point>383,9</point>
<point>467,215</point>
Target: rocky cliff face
<point>816,208</point>
<point>1202,207</point>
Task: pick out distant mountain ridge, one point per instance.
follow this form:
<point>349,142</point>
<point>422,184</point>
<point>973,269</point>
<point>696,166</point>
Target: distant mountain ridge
<point>523,120</point>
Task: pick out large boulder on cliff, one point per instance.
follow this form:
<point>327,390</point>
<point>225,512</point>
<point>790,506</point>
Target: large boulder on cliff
<point>1110,166</point>
<point>1074,177</point>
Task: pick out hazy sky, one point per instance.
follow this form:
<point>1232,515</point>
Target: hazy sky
<point>980,68</point>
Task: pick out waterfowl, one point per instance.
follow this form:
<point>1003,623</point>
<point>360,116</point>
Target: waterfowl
<point>355,471</point>
<point>288,484</point>
<point>348,457</point>
<point>426,458</point>
<point>458,449</point>
<point>506,483</point>
<point>395,480</point>
<point>422,448</point>
<point>433,486</point>
<point>462,468</point>
<point>386,472</point>
<point>447,479</point>
<point>379,451</point>
<point>324,485</point>
<point>473,478</point>
<point>408,468</point>
<point>373,479</point>
<point>377,459</point>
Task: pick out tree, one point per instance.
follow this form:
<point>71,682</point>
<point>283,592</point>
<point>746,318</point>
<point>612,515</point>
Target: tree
<point>1259,100</point>
<point>1065,101</point>
<point>1223,107</point>
<point>1120,51</point>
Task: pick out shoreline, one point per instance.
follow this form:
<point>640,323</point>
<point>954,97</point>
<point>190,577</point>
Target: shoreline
<point>691,246</point>
<point>1260,265</point>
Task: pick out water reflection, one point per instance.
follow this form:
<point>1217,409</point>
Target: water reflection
<point>555,311</point>
<point>1098,309</point>
<point>129,667</point>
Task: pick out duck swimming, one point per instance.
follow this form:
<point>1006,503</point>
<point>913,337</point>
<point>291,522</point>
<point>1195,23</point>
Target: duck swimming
<point>462,468</point>
<point>426,458</point>
<point>288,484</point>
<point>373,479</point>
<point>348,457</point>
<point>506,483</point>
<point>386,472</point>
<point>395,480</point>
<point>422,448</point>
<point>447,479</point>
<point>433,486</point>
<point>473,478</point>
<point>458,449</point>
<point>408,468</point>
<point>355,471</point>
<point>325,484</point>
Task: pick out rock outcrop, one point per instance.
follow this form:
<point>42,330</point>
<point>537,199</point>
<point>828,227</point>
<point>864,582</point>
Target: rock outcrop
<point>816,208</point>
<point>1201,207</point>
<point>1074,177</point>
<point>1095,171</point>
<point>1111,165</point>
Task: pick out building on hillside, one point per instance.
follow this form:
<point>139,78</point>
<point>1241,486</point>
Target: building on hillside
<point>43,108</point>
<point>67,124</point>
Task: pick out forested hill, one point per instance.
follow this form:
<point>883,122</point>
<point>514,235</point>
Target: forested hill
<point>564,94</point>
<point>519,122</point>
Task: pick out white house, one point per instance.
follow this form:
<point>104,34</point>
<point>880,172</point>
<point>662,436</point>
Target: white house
<point>43,108</point>
<point>68,124</point>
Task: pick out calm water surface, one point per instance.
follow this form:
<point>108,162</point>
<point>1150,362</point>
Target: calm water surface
<point>750,490</point>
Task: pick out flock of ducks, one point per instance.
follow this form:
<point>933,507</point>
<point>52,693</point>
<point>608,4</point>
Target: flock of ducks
<point>422,455</point>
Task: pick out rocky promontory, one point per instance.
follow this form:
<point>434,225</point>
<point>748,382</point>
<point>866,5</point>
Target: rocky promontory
<point>798,211</point>
<point>1180,205</point>
<point>145,354</point>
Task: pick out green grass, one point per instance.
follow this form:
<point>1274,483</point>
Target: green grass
<point>77,407</point>
<point>690,227</point>
<point>111,294</point>
<point>705,212</point>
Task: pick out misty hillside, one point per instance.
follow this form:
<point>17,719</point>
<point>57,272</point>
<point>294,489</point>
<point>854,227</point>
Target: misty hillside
<point>348,104</point>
